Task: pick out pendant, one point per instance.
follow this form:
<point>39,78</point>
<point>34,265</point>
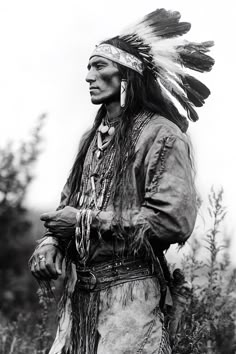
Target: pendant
<point>98,153</point>
<point>99,140</point>
<point>111,131</point>
<point>104,129</point>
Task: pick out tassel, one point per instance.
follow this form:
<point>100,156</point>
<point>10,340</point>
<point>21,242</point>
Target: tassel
<point>84,309</point>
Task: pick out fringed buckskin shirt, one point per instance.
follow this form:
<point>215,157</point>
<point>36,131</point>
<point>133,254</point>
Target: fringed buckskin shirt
<point>164,211</point>
<point>162,181</point>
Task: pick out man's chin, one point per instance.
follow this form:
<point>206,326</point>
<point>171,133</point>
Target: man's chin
<point>95,100</point>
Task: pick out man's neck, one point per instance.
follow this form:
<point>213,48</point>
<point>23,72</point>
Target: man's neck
<point>113,110</point>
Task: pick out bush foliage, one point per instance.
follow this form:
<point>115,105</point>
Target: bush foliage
<point>16,173</point>
<point>209,321</point>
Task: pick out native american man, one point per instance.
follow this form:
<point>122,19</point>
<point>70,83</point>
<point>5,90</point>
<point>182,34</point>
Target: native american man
<point>130,193</point>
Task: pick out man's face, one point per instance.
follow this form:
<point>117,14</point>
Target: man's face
<point>104,80</point>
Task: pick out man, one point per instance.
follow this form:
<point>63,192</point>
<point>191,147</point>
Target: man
<point>130,193</point>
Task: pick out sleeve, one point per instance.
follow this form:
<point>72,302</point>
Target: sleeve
<point>48,238</point>
<point>169,209</point>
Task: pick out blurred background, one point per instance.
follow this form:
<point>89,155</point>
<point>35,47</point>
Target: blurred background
<point>45,107</point>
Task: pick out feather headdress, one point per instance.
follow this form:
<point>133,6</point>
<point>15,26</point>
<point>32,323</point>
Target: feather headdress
<point>158,40</point>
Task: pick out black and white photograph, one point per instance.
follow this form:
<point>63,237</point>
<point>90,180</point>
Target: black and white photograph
<point>117,177</point>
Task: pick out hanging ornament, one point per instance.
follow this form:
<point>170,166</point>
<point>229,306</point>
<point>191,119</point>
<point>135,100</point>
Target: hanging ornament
<point>123,89</point>
<point>98,153</point>
<point>104,128</point>
<point>111,131</point>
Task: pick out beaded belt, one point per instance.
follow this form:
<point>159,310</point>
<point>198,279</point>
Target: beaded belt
<point>104,275</point>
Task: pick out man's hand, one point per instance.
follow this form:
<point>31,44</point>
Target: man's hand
<point>46,262</point>
<point>62,222</point>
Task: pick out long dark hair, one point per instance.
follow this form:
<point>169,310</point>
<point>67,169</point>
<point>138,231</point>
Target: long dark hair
<point>143,94</point>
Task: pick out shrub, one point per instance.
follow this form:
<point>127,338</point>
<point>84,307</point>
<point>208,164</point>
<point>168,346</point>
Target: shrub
<point>208,324</point>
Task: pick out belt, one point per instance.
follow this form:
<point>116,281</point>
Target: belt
<point>105,275</point>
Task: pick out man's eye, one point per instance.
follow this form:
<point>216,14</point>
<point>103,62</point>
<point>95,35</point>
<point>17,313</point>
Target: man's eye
<point>99,66</point>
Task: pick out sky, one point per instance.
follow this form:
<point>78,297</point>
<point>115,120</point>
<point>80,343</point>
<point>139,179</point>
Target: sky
<point>44,50</point>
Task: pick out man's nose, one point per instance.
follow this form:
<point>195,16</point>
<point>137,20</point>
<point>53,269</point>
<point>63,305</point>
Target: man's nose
<point>90,77</point>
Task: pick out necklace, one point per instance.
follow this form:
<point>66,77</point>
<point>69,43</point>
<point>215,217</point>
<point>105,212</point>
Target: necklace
<point>105,133</point>
<point>96,192</point>
<point>106,128</point>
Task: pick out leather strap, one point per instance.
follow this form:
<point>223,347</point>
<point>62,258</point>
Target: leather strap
<point>105,275</point>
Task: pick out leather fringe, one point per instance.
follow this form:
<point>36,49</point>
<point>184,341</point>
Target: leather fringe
<point>84,336</point>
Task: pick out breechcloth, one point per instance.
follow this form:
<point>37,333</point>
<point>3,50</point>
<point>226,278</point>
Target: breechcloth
<point>114,308</point>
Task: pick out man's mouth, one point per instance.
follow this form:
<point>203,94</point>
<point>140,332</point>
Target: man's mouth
<point>92,88</point>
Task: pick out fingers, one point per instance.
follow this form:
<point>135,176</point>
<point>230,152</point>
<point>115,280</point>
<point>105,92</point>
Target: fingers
<point>60,231</point>
<point>40,269</point>
<point>60,221</point>
<point>32,266</point>
<point>49,266</point>
<point>48,216</point>
<point>58,263</point>
<point>50,224</point>
<point>46,264</point>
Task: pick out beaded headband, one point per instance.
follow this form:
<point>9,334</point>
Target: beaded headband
<point>119,56</point>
